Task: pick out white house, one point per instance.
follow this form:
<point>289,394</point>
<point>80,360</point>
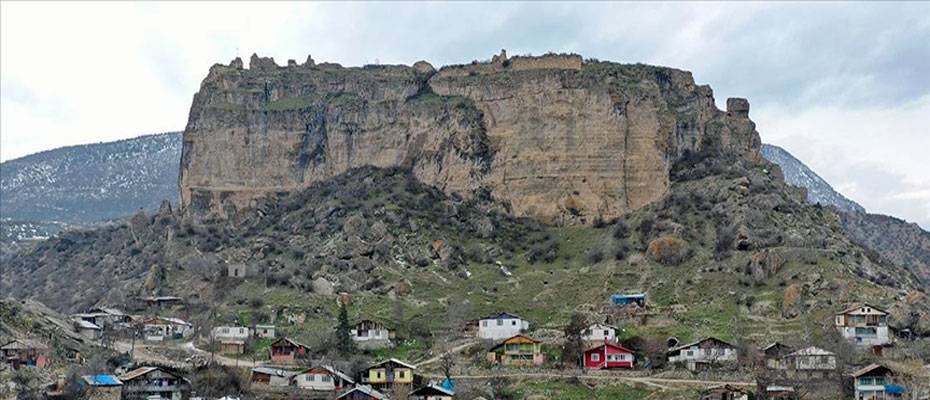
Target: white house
<point>371,335</point>
<point>599,333</point>
<point>864,325</point>
<point>158,329</point>
<point>706,351</point>
<point>322,378</point>
<point>502,326</point>
<point>264,331</point>
<point>873,383</point>
<point>231,333</point>
<point>87,329</point>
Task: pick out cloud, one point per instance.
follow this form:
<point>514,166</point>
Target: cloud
<point>839,84</point>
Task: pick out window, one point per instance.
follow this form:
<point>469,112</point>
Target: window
<point>500,323</point>
<point>514,323</point>
<point>595,357</point>
<point>484,324</point>
<point>606,332</point>
<point>324,378</point>
<point>308,378</point>
<point>400,374</point>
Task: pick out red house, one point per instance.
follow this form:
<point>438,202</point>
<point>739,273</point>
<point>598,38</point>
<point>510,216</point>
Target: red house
<point>608,355</point>
<point>285,350</point>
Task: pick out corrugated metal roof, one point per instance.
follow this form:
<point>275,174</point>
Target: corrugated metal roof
<point>812,351</point>
<point>363,389</point>
<point>504,315</point>
<point>136,373</point>
<point>272,371</point>
<point>86,324</point>
<point>396,361</point>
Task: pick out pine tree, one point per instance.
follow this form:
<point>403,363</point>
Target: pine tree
<point>343,340</point>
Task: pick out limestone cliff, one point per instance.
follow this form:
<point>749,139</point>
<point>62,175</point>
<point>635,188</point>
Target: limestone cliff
<point>552,137</point>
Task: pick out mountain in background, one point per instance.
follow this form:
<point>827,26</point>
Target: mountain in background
<point>83,185</point>
<point>798,174</point>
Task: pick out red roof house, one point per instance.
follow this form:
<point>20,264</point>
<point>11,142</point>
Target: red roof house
<point>608,355</point>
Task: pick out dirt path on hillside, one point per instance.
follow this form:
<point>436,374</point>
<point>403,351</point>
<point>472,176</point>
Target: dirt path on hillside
<point>149,352</point>
<point>659,383</point>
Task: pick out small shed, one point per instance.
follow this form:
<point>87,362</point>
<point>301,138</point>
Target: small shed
<point>232,347</point>
<point>270,376</point>
<point>432,391</point>
<point>88,330</point>
<point>619,299</point>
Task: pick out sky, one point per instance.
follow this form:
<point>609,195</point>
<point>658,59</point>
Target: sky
<point>845,87</point>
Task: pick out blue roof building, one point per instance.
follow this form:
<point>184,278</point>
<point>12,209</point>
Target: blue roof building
<point>102,380</point>
<point>625,299</point>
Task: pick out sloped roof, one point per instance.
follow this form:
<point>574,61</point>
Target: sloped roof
<point>291,341</point>
<point>611,345</point>
<point>102,380</point>
<point>432,389</point>
<point>136,373</point>
<point>600,324</point>
<point>363,389</point>
<point>504,315</point>
<point>812,351</point>
<point>23,344</point>
<point>327,369</point>
<point>684,346</point>
<point>169,320</point>
<point>86,324</point>
<point>775,344</point>
<point>868,368</point>
<point>272,371</point>
<point>854,307</point>
<point>395,361</point>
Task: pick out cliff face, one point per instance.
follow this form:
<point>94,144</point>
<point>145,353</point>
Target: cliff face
<point>551,137</point>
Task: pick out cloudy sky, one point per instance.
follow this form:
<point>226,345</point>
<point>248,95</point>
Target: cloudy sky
<point>844,87</point>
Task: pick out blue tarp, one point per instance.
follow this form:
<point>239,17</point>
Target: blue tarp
<point>894,389</point>
<point>103,380</point>
<point>448,384</point>
<point>623,299</point>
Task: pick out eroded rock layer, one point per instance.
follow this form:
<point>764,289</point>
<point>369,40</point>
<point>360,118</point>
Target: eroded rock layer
<point>552,137</point>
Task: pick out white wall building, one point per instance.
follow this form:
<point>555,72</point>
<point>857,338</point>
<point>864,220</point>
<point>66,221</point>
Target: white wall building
<point>322,378</point>
<point>864,325</point>
<point>501,326</point>
<point>265,331</point>
<point>231,333</point>
<point>706,351</point>
<point>599,333</point>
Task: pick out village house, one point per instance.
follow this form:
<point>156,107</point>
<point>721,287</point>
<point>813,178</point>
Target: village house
<point>102,387</point>
<point>518,350</point>
<point>810,362</point>
<point>25,353</point>
<point>162,328</point>
<point>322,378</point>
<point>725,392</point>
<point>270,376</point>
<point>599,333</point>
<point>432,391</point>
<point>264,331</point>
<point>87,329</point>
<point>105,318</point>
<point>608,355</point>
<point>704,352</point>
<point>239,333</point>
<point>780,392</point>
<point>774,352</point>
<point>388,373</point>
<point>864,325</point>
<point>147,382</point>
<point>285,350</point>
<point>371,335</point>
<point>501,326</point>
<point>874,382</point>
<point>362,392</point>
<point>162,301</point>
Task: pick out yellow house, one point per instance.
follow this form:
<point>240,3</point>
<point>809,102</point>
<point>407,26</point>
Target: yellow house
<point>518,351</point>
<point>389,372</point>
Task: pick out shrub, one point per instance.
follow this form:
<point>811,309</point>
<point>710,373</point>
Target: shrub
<point>621,230</point>
<point>595,256</point>
<point>668,250</point>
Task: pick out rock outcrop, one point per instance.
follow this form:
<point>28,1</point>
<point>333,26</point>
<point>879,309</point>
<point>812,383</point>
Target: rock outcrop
<point>552,137</point>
